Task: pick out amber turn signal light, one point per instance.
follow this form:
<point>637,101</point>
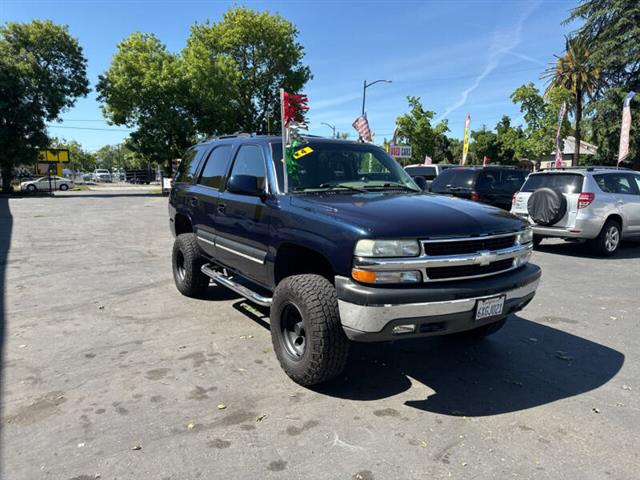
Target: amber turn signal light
<point>363,276</point>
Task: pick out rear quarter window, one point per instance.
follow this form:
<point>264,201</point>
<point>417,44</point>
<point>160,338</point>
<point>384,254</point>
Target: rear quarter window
<point>564,182</point>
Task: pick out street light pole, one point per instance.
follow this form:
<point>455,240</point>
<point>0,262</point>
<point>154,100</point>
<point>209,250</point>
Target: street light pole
<point>364,90</point>
<point>332,127</point>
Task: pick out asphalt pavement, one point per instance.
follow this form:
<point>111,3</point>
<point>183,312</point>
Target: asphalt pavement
<point>108,372</point>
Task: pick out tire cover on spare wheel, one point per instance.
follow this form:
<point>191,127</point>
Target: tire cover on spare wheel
<point>546,206</point>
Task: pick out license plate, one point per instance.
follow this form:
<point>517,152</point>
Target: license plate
<point>491,307</point>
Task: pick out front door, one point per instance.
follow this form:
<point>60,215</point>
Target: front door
<point>242,221</point>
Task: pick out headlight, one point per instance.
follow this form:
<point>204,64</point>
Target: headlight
<point>387,248</point>
<point>525,236</point>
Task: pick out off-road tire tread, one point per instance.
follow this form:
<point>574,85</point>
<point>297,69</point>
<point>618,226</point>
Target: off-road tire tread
<point>316,298</point>
<point>195,282</point>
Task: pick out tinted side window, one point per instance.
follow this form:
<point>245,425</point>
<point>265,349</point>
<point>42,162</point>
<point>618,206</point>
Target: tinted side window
<point>216,167</point>
<point>636,178</point>
<point>429,173</point>
<point>249,161</point>
<point>189,165</point>
<point>616,183</point>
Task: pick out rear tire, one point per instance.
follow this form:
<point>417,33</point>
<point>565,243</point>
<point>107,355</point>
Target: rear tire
<point>306,331</point>
<point>483,331</point>
<point>186,262</point>
<point>608,241</point>
<point>64,187</point>
<point>31,188</point>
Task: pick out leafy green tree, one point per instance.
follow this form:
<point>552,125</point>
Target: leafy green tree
<point>415,129</point>
<point>576,72</point>
<point>612,29</point>
<point>343,135</point>
<point>42,73</point>
<point>484,143</point>
<point>541,117</point>
<point>145,89</point>
<point>80,160</point>
<point>239,64</point>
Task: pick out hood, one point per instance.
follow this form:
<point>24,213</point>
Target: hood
<point>414,215</point>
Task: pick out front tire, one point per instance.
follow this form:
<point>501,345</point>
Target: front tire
<point>64,187</point>
<point>537,240</point>
<point>306,331</point>
<point>187,262</point>
<point>608,241</point>
<point>31,188</point>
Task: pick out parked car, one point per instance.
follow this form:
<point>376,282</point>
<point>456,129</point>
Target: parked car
<point>44,184</point>
<point>428,172</point>
<point>140,175</point>
<point>102,175</point>
<point>597,204</point>
<point>494,185</point>
<point>352,251</point>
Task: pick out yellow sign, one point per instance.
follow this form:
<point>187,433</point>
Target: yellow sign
<point>302,152</point>
<point>465,141</point>
<point>53,155</point>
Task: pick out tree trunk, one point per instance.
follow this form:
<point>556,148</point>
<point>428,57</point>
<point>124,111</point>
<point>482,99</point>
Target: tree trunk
<point>7,176</point>
<point>576,150</point>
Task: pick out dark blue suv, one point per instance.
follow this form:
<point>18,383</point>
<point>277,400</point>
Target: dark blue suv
<point>351,250</point>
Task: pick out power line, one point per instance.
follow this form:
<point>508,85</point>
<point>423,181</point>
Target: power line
<point>91,128</point>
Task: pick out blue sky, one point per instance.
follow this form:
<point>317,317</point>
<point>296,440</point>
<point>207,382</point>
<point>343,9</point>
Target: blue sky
<point>458,56</point>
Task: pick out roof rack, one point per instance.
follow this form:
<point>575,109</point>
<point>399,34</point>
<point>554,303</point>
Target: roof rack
<point>588,168</point>
<point>232,135</point>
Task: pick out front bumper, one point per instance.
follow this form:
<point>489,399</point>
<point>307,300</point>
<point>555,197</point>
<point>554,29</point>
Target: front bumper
<point>369,314</point>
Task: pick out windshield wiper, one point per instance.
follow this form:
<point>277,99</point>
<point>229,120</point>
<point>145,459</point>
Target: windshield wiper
<point>333,186</point>
<point>394,185</point>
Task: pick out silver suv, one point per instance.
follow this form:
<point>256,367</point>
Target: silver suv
<point>598,204</point>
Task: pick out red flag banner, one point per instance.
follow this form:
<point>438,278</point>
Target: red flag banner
<point>362,127</point>
<point>293,108</point>
<point>623,150</point>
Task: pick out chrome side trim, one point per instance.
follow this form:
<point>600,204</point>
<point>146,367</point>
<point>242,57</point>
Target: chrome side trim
<point>241,290</point>
<point>206,241</point>
<point>367,318</point>
<point>240,254</point>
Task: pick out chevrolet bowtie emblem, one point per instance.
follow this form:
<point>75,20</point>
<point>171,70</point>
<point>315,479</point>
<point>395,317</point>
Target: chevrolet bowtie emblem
<point>485,258</point>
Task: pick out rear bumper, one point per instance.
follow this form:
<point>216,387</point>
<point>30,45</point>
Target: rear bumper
<point>587,228</point>
<point>369,314</point>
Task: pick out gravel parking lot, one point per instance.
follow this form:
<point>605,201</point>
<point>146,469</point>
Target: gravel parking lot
<point>108,372</point>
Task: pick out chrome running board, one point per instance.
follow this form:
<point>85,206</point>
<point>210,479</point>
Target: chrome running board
<point>225,281</point>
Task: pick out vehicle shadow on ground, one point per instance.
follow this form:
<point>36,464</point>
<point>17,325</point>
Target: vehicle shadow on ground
<point>525,365</point>
<point>6,223</point>
<point>627,250</point>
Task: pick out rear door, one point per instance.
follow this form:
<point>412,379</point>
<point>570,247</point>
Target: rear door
<point>623,187</point>
<point>570,184</point>
<point>182,196</point>
<point>206,195</point>
<point>242,221</point>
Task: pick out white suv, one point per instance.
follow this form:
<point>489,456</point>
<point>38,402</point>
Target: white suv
<point>598,204</point>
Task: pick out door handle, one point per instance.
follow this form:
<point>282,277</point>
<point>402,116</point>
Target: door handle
<point>221,208</point>
<point>193,201</point>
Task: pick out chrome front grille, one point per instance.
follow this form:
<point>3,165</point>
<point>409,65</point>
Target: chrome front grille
<point>457,258</point>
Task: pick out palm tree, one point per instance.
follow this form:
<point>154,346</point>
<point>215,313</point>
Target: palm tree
<point>575,72</point>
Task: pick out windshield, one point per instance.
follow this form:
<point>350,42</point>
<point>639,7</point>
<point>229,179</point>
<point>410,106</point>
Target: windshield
<point>325,166</point>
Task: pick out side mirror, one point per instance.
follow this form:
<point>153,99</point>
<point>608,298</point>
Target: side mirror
<point>245,185</point>
<point>421,182</point>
